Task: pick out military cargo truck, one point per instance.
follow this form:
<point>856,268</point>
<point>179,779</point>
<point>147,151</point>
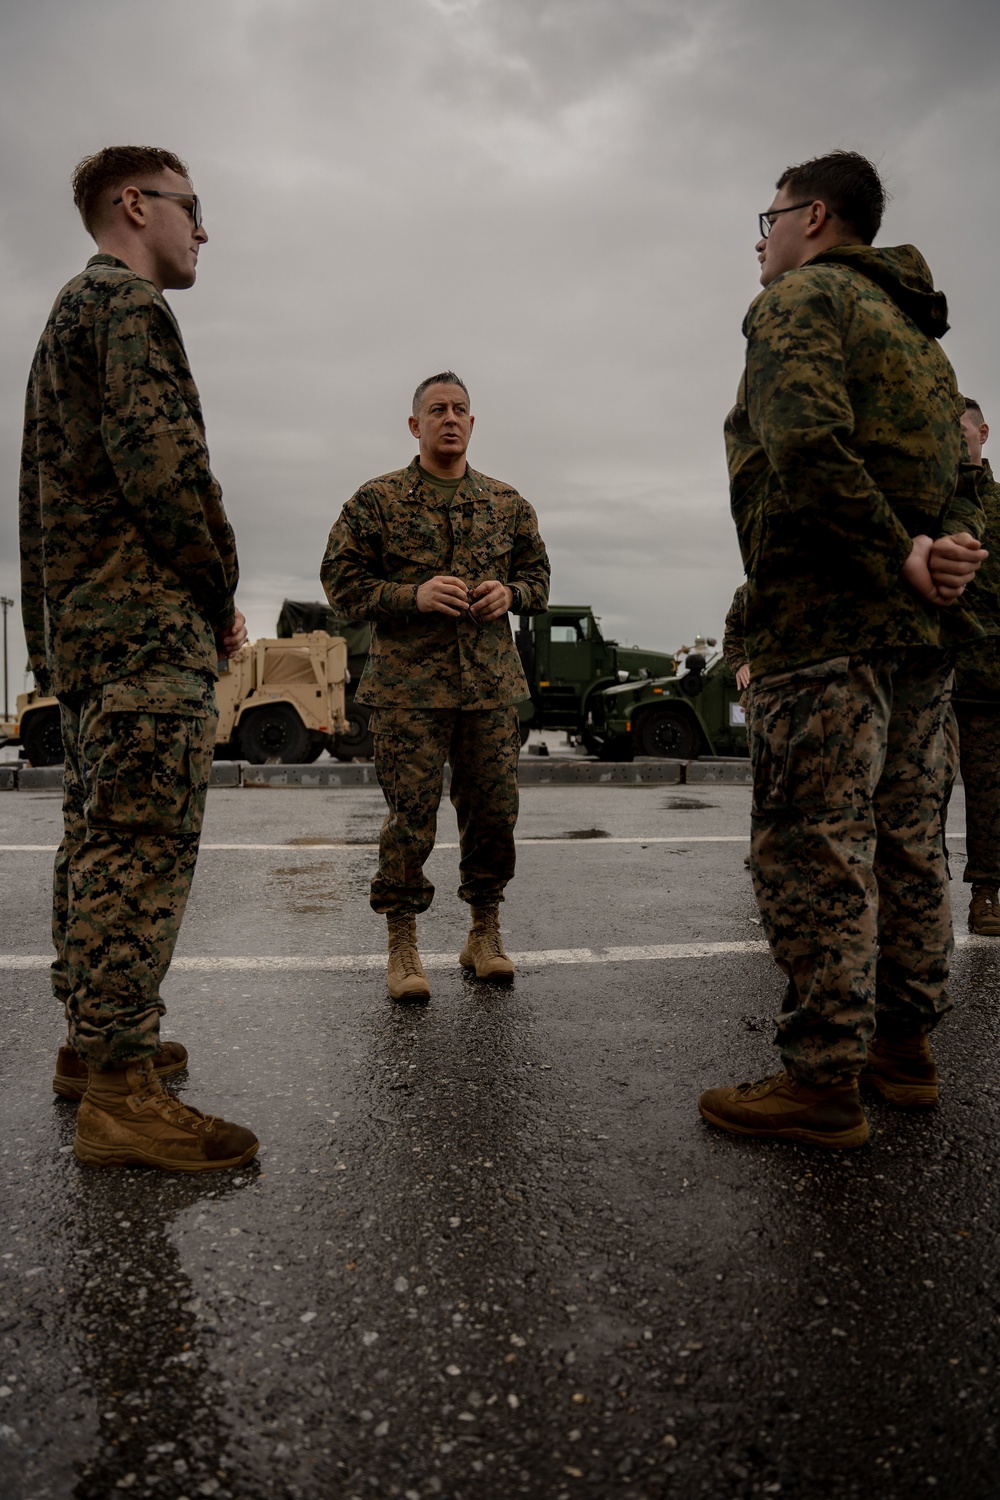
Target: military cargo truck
<point>568,663</point>
<point>355,739</point>
<point>677,717</point>
<point>281,700</point>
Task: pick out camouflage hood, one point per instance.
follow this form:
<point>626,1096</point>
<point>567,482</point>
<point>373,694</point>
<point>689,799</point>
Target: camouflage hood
<point>903,275</point>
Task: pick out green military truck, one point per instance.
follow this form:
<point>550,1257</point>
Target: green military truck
<point>568,664</point>
<point>676,717</point>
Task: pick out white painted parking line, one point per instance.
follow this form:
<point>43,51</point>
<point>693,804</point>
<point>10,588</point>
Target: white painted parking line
<point>319,848</point>
<point>539,959</point>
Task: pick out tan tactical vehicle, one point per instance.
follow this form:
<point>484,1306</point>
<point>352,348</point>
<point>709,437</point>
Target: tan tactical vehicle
<point>281,700</point>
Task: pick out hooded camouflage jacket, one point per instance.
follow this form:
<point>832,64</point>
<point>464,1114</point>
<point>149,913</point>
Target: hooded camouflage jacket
<point>126,553</point>
<point>845,443</point>
<point>977,670</point>
<point>395,534</point>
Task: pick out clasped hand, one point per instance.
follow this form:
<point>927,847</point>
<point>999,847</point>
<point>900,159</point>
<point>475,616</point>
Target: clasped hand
<point>940,570</point>
<point>228,642</point>
<point>450,596</point>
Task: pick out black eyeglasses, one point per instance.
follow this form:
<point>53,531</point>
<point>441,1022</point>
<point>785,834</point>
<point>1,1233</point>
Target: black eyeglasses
<point>769,214</point>
<point>192,198</point>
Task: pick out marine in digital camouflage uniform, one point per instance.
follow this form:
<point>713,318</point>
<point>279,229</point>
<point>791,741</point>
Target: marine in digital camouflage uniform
<point>976,702</point>
<point>435,555</point>
<point>128,569</point>
<point>734,648</point>
<point>858,535</point>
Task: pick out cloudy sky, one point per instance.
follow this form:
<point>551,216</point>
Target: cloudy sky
<point>557,198</point>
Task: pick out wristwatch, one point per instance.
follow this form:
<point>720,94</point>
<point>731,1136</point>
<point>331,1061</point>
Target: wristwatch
<point>517,599</point>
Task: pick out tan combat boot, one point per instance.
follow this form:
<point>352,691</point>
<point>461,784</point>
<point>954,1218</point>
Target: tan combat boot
<point>126,1119</point>
<point>780,1108</point>
<point>406,977</point>
<point>70,1080</point>
<point>484,950</point>
<point>902,1069</point>
<point>984,911</point>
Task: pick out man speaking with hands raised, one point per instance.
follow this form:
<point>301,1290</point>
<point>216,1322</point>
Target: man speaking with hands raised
<point>436,556</point>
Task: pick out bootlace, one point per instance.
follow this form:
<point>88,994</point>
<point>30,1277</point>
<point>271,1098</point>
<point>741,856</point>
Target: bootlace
<point>747,1090</point>
<point>491,941</point>
<point>184,1114</point>
<point>407,959</point>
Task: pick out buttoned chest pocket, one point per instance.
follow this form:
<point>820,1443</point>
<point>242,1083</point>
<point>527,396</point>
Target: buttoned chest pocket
<point>492,551</point>
<point>417,544</point>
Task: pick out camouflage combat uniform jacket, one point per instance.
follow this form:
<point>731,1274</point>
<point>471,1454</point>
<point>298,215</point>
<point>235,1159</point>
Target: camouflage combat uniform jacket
<point>977,670</point>
<point>398,532</point>
<point>126,553</point>
<point>734,646</point>
<point>845,443</point>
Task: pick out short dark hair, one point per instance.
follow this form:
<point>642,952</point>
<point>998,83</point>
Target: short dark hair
<point>114,167</point>
<point>971,405</point>
<point>446,377</point>
<point>848,184</point>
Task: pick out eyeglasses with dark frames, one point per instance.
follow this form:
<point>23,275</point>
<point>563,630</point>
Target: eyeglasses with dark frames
<point>192,198</point>
<point>765,220</point>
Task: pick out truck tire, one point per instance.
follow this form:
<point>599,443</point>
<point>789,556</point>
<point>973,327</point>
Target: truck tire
<point>357,739</point>
<point>669,733</point>
<point>276,734</point>
<point>41,738</point>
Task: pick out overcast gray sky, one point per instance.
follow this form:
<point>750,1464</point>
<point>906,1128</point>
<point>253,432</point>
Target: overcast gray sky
<point>557,198</point>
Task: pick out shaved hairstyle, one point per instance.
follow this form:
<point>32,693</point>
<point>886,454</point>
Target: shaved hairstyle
<point>971,405</point>
<point>848,184</point>
<point>117,167</point>
<point>447,377</point>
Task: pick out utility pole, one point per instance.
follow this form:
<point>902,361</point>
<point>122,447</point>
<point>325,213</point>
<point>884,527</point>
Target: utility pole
<point>5,604</point>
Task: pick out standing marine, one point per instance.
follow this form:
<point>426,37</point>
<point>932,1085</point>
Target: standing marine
<point>858,537</point>
<point>976,701</point>
<point>437,556</point>
<point>128,576</point>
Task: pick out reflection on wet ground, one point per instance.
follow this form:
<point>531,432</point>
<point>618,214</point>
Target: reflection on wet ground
<point>488,1249</point>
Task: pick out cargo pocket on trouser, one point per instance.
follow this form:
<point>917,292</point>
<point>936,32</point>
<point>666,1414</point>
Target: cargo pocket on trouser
<point>818,745</point>
<point>148,755</point>
<point>812,739</point>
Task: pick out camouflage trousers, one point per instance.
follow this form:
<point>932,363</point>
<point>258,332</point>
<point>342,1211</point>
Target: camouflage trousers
<point>138,759</point>
<point>849,767</point>
<point>979,756</point>
<point>411,747</point>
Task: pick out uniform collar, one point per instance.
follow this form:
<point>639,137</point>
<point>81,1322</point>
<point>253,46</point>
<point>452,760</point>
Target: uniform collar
<point>416,486</point>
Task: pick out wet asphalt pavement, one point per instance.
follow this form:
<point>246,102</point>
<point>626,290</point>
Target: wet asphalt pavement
<point>488,1247</point>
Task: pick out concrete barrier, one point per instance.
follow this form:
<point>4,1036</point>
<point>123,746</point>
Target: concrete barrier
<point>536,771</point>
<point>698,772</point>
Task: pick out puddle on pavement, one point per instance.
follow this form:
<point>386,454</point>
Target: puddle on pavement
<point>323,843</point>
<point>687,804</point>
<point>576,833</point>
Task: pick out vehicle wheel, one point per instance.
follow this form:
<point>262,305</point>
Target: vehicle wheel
<point>41,738</point>
<point>275,735</point>
<point>357,738</point>
<point>669,733</point>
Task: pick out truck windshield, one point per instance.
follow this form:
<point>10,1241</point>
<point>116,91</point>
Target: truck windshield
<point>568,632</point>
